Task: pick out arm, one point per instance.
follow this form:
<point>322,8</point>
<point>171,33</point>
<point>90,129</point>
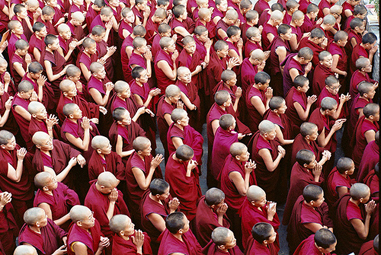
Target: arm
<point>86,73</point>
<point>242,185</point>
<point>177,141</point>
<point>24,113</point>
<point>280,137</point>
<point>341,191</point>
<point>222,33</point>
<point>139,176</point>
<point>293,43</point>
<point>370,135</point>
<point>258,104</point>
<point>168,119</point>
<point>119,148</point>
<point>49,71</point>
<point>267,159</point>
<point>97,96</point>
<point>270,37</point>
<point>48,211</point>
<point>4,118</point>
<point>282,53</point>
<point>36,54</point>
<point>303,114</point>
<point>112,198</point>
<point>324,140</point>
<point>187,102</point>
<point>215,126</point>
<point>313,226</point>
<point>182,31</point>
<point>157,220</point>
<point>19,69</point>
<point>62,175</point>
<point>334,68</point>
<point>167,70</point>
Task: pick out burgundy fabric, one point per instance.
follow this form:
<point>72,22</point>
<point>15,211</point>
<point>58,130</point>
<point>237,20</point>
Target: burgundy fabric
<point>21,60</point>
<point>372,181</point>
<point>320,74</point>
<point>250,46</point>
<point>254,117</point>
<point>162,80</point>
<point>58,63</point>
<point>372,158</point>
<point>163,108</point>
<point>254,247</point>
<point>186,189</point>
<point>334,181</point>
<point>214,70</point>
<point>45,242</point>
<point>281,120</point>
<point>99,204</point>
<point>190,61</point>
<point>357,77</point>
<point>301,143</point>
<point>121,246</point>
<point>324,123</point>
<point>325,93</point>
<point>306,42</point>
<point>90,110</point>
<point>260,6</point>
<point>357,52</point>
<point>267,28</point>
<point>248,72</point>
<point>35,126</point>
<point>300,178</point>
<point>368,249</point>
<point>11,124</point>
<point>212,249</point>
<point>308,247</point>
<point>8,228</point>
<point>91,240</point>
<point>206,221</point>
<point>114,165</point>
<point>308,24</point>
<point>274,63</point>
<point>292,97</point>
<point>171,244</point>
<point>290,63</point>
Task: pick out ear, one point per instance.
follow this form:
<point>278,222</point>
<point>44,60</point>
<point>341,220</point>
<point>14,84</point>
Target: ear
<point>265,242</point>
<point>3,146</point>
<point>34,115</point>
<point>121,233</point>
<point>212,206</point>
<point>79,223</point>
<point>119,122</point>
<point>45,188</point>
<point>221,247</point>
<point>305,165</point>
<point>99,151</point>
<point>237,157</point>
<point>70,116</point>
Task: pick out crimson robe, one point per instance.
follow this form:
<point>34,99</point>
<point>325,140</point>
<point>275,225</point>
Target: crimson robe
<point>300,178</point>
<point>368,249</point>
<point>34,42</point>
<point>121,246</point>
<point>99,85</point>
<point>288,63</point>
<point>281,120</point>
<point>304,214</point>
<point>35,126</point>
<point>292,97</point>
<point>134,192</point>
<point>45,242</point>
<point>306,42</point>
<point>335,49</point>
<point>357,52</point>
<point>347,238</point>
<point>125,26</point>
<point>110,62</point>
<point>11,124</point>
<point>50,28</point>
<point>221,149</point>
<point>212,249</point>
<point>324,123</point>
<point>301,143</point>
<point>325,93</point>
<point>254,247</point>
<point>356,36</point>
<point>86,60</point>
<point>252,215</point>
<point>77,32</point>
<point>268,29</point>
<point>357,103</point>
<point>58,63</point>
<point>8,228</point>
<point>11,43</point>
<point>206,221</point>
<point>372,181</point>
<point>221,25</point>
<point>254,117</point>
<point>151,28</point>
<point>320,74</point>
<point>249,47</point>
<point>211,26</point>
<point>308,247</point>
<point>186,189</point>
<point>372,157</point>
<point>358,141</point>
<point>21,60</point>
<point>191,61</point>
<point>162,80</point>
<point>127,42</point>
<point>232,196</point>
<point>308,24</point>
<point>357,77</point>
<point>60,202</point>
<point>190,137</point>
<point>260,6</point>
<point>128,103</point>
<point>214,70</point>
<point>135,59</point>
<point>264,17</point>
<point>4,19</point>
<point>334,181</point>
<point>163,108</point>
<point>89,109</point>
<point>248,72</point>
<point>112,163</point>
<point>78,234</point>
<point>99,204</point>
<point>64,44</point>
<point>170,244</point>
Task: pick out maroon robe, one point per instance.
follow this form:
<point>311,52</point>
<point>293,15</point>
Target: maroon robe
<point>254,247</point>
<point>356,36</point>
<point>372,181</point>
<point>8,228</point>
<point>290,63</point>
<point>89,109</point>
<point>135,193</point>
<point>308,24</point>
<point>188,24</point>
<point>128,247</point>
<point>151,28</point>
<point>334,181</point>
<point>325,93</point>
<point>324,123</point>
<point>211,26</point>
<point>60,202</point>
<point>232,196</point>
<point>27,32</point>
<point>21,122</point>
<point>184,59</point>
<point>300,178</point>
<point>11,124</point>
<point>11,44</point>
<point>357,103</point>
<point>342,65</point>
<point>212,249</point>
<point>248,72</point>
<point>368,249</point>
<point>347,238</point>
<point>77,32</point>
<point>135,59</point>
<point>267,28</point>
<point>282,121</point>
<point>214,70</point>
<point>292,97</point>
<point>125,26</point>
<point>163,108</point>
<point>357,52</point>
<point>21,60</point>
<point>320,74</point>
<point>58,63</point>
<point>91,240</point>
<point>358,141</point>
<point>86,60</point>
<point>36,125</point>
<point>260,6</point>
<point>4,19</point>
<point>34,42</point>
<point>252,215</point>
<point>304,214</point>
<point>254,117</point>
<point>306,42</point>
<point>250,46</point>
<point>46,242</point>
<point>128,103</point>
<point>301,143</point>
<point>112,163</point>
<point>171,244</point>
<point>372,157</point>
<point>206,221</point>
<point>189,136</point>
<point>357,77</point>
<point>222,142</point>
<point>162,80</point>
<point>127,42</point>
<point>99,204</point>
<point>186,189</point>
<point>308,247</point>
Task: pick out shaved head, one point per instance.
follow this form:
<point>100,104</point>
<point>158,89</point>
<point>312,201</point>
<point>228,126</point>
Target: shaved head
<point>226,121</point>
<point>63,28</point>
<point>25,249</point>
<point>237,149</point>
<point>231,14</point>
<point>42,179</point>
<point>34,107</point>
<point>78,16</point>
<point>119,222</point>
<point>79,213</point>
<point>121,86</point>
<point>172,91</point>
<point>255,193</point>
<point>307,128</point>
<point>66,85</point>
<point>227,75</point>
<point>99,142</point>
<point>39,138</point>
<point>276,15</point>
<point>32,215</point>
<point>266,126</point>
<point>165,42</point>
<point>184,152</point>
<point>108,180</point>
<point>359,190</point>
<point>214,196</point>
<point>178,114</point>
<point>220,235</point>
<point>69,109</point>
<point>258,55</point>
<point>221,97</point>
<point>141,143</point>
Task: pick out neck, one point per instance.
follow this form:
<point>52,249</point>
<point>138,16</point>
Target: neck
<point>166,99</point>
<point>74,120</point>
<point>49,192</point>
<point>308,141</point>
<point>356,202</point>
<point>47,152</point>
<point>222,107</point>
<point>125,237</point>
<point>120,97</point>
<point>264,137</point>
<point>86,53</point>
<point>223,250</point>
<point>28,75</point>
<point>178,236</point>
<point>154,198</point>
<point>49,50</point>
<point>250,23</point>
<point>101,155</point>
<point>322,112</point>
<point>35,229</point>
<point>69,97</point>
<point>179,126</point>
<point>344,175</point>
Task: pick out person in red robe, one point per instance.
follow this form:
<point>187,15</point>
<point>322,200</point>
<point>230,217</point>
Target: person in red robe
<point>17,32</point>
<point>367,48</point>
<point>257,209</point>
<point>156,204</point>
<point>339,55</point>
<point>177,238</point>
<point>372,180</point>
<point>123,132</point>
<point>298,104</point>
<point>75,25</point>
<point>267,153</point>
<point>85,234</point>
<point>158,17</point>
<point>41,232</point>
<point>181,24</point>
<point>141,168</point>
<point>317,42</point>
<point>99,87</point>
<point>165,63</point>
<point>210,214</point>
<point>46,17</point>
<point>222,242</point>
<point>141,56</point>
<point>260,6</point>
<point>20,60</point>
<point>304,172</point>
<point>126,24</point>
<point>5,78</point>
<point>262,240</point>
<point>86,57</point>
<point>352,220</point>
<point>250,67</point>
<point>9,228</point>
<point>371,247</point>
<point>67,42</point>
<point>364,67</point>
<point>310,213</point>
<point>127,240</point>
<point>180,132</point>
<point>365,131</point>
<point>205,19</point>
<point>55,198</point>
<point>372,152</point>
<point>355,32</point>
<point>310,17</point>
<point>258,97</point>
<point>228,18</point>
<point>269,31</point>
<point>322,242</point>
<point>104,159</point>
<point>253,35</point>
<point>321,72</point>
<point>339,181</point>
<point>182,174</point>
<point>15,178</point>
<point>70,95</point>
<point>105,200</point>
<point>41,122</point>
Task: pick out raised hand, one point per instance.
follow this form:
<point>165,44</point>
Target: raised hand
<point>21,153</point>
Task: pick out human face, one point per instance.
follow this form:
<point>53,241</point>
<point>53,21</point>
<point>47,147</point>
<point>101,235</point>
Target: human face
<point>77,22</point>
<point>101,74</point>
<point>26,95</point>
<point>77,113</point>
<point>313,15</point>
<point>223,6</point>
<point>35,76</point>
<point>3,68</point>
<point>105,18</point>
<point>245,155</point>
<point>92,49</point>
<point>190,48</point>
<point>175,99</point>
<point>271,135</point>
<point>126,119</point>
<point>88,221</point>
<point>351,170</point>
<point>186,77</point>
<point>261,202</point>
<point>184,121</point>
<point>171,47</point>
<point>43,220</point>
<point>312,164</point>
<point>203,37</point>
<point>43,33</point>
<point>314,135</point>
<point>366,199</point>
<point>232,82</point>
<point>165,195</point>
<point>305,88</point>
<point>367,68</point>
<point>11,145</point>
<point>32,8</point>
<point>126,93</point>
<point>55,45</point>
<point>299,22</point>
<point>327,62</point>
<point>147,150</point>
<point>23,52</point>
<point>23,14</point>
<point>272,237</point>
<point>143,77</point>
<point>235,38</point>
<point>130,18</point>
<point>370,94</point>
<point>319,201</point>
<point>48,17</point>
<point>75,78</point>
<point>360,29</point>
<point>106,149</point>
<point>282,109</point>
<point>343,42</point>
<point>142,5</point>
<point>231,242</point>
<point>328,250</point>
<point>376,117</point>
<point>130,227</point>
<point>66,34</point>
<point>223,53</point>
<point>264,86</point>
<point>52,183</point>
<point>18,30</point>
<point>72,91</point>
<point>41,114</point>
<point>228,103</point>
<point>142,49</point>
<point>334,89</point>
<point>186,225</point>
<point>287,36</point>
<point>114,3</point>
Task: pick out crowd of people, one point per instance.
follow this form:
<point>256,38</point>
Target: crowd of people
<point>85,86</point>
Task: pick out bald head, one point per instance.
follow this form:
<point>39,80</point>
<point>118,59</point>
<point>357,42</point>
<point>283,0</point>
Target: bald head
<point>220,235</point>
<point>79,213</point>
<point>141,143</point>
<point>359,191</point>
<point>107,180</point>
<point>276,15</point>
<point>42,179</point>
<point>231,14</point>
<point>214,196</point>
<point>35,107</point>
<point>258,55</point>
<point>266,127</point>
<point>172,91</point>
<point>255,193</point>
<point>99,142</point>
<point>165,42</point>
<point>182,70</point>
<point>329,20</point>
<point>362,63</point>
<point>307,128</point>
<point>39,138</point>
<point>66,85</point>
<point>119,222</point>
<point>227,75</point>
<point>226,121</point>
<point>25,250</point>
<point>184,152</point>
<point>96,67</point>
<point>78,16</point>
<point>237,148</point>
<point>63,28</point>
<point>178,114</point>
<point>160,13</point>
<point>69,109</point>
<point>32,3</point>
<point>221,97</point>
<point>252,32</point>
<point>33,216</point>
<point>328,103</point>
<point>121,86</point>
<point>203,13</point>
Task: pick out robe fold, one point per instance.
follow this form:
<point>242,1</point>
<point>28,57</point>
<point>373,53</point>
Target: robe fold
<point>21,122</point>
<point>268,29</point>
<point>78,234</point>
<point>282,121</point>
<point>99,204</point>
<point>163,108</point>
<point>290,63</point>
<point>214,70</point>
<point>334,181</point>
<point>368,249</point>
<point>254,247</point>
<point>127,247</point>
<point>324,123</point>
<point>90,110</point>
<point>8,228</point>
<point>112,163</point>
<point>320,74</point>
<point>308,247</point>
<point>170,244</point>
<point>206,221</point>
<point>212,249</point>
<point>301,143</point>
<point>254,117</point>
<point>372,152</point>
<point>186,189</point>
<point>162,80</point>
<point>357,52</point>
<point>357,77</point>
<point>58,63</point>
<point>294,96</point>
<point>248,72</point>
<point>372,181</point>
